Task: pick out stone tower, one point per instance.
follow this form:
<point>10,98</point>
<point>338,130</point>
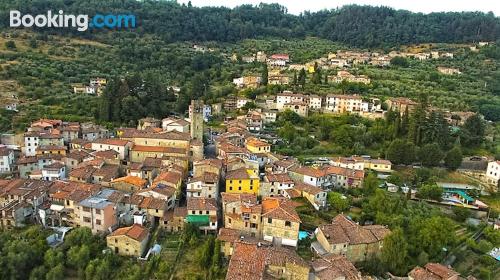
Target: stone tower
<point>196,116</point>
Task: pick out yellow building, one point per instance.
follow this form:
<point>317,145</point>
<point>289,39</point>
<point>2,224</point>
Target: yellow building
<point>242,180</point>
<point>257,146</point>
<point>379,165</point>
<point>139,152</point>
<point>280,221</point>
<point>51,149</point>
<point>129,241</point>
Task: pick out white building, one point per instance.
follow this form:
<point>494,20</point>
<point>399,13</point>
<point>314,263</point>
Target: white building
<point>175,124</point>
<point>315,102</point>
<point>241,102</point>
<point>288,97</point>
<point>122,147</point>
<point>6,159</point>
<point>31,141</point>
<point>206,185</point>
<point>54,171</point>
<point>343,103</point>
<point>493,172</point>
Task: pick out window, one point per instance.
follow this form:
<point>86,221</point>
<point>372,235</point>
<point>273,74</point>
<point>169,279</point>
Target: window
<point>86,219</point>
<point>269,220</point>
<point>229,220</point>
<point>86,209</point>
<point>239,188</point>
<point>230,188</point>
<point>97,211</point>
<point>193,212</point>
<point>288,223</point>
<point>200,212</point>
<point>98,222</point>
<point>207,212</point>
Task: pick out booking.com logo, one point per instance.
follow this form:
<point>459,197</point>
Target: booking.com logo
<point>80,22</point>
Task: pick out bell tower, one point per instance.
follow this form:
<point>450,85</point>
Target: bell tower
<point>196,116</point>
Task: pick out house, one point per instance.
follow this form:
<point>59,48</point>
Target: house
<point>229,238</point>
<point>175,124</point>
<point>315,102</point>
<point>250,81</point>
<point>257,146</point>
<point>207,165</point>
<point>174,221</point>
<point>309,175</point>
<point>148,123</point>
<point>129,241</point>
<point>6,160</point>
<point>241,102</point>
<point>51,149</point>
<point>97,212</point>
<point>379,165</point>
<point>493,172</point>
<point>243,213</point>
<point>54,171</point>
<point>401,104</point>
<point>278,60</point>
<point>254,262</point>
<point>316,196</point>
<point>128,184</point>
<point>277,78</point>
<point>122,147</point>
<point>356,163</point>
<point>254,121</point>
<point>448,70</point>
<point>345,237</point>
<point>274,184</point>
<point>348,77</point>
<point>74,158</point>
<point>343,103</point>
<point>202,212</point>
<point>206,185</point>
<point>242,180</point>
<point>300,108</point>
<point>270,115</point>
<point>170,178</point>
<point>433,271</point>
<point>280,221</point>
<point>334,267</point>
<point>287,97</point>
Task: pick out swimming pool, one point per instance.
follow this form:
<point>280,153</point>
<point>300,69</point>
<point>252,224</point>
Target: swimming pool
<point>303,234</point>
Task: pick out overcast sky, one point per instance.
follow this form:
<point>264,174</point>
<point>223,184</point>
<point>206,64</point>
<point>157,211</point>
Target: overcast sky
<point>424,6</point>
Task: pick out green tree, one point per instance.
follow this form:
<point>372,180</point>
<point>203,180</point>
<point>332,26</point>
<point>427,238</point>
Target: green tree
<point>401,152</point>
<point>265,77</point>
<point>400,61</point>
<point>461,213</point>
<point>430,155</point>
<point>395,251</point>
<point>302,78</point>
<point>453,158</point>
<point>337,201</point>
<point>430,191</point>
<point>370,184</point>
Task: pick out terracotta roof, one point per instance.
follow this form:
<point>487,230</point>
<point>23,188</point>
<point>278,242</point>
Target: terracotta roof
<point>26,160</point>
<point>107,154</point>
<point>240,173</point>
<point>211,162</point>
<point>302,187</point>
<point>309,171</point>
<point>246,263</point>
<point>136,232</point>
<point>108,172</point>
<point>78,155</point>
<point>50,148</point>
<point>159,149</point>
<point>201,203</point>
<point>279,177</point>
<point>111,141</point>
<point>344,230</point>
<point>440,270</point>
<point>172,135</point>
<point>244,197</point>
<point>206,177</point>
<point>153,203</point>
<point>82,173</point>
<point>256,142</point>
<point>279,208</point>
<point>159,188</point>
<point>132,180</point>
<point>335,267</point>
<point>171,177</point>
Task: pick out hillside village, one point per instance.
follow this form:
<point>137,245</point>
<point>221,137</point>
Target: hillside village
<point>250,148</point>
<point>127,183</point>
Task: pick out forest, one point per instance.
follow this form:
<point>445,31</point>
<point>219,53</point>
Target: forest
<point>360,26</point>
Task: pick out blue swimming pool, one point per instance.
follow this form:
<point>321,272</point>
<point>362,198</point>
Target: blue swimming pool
<point>303,234</point>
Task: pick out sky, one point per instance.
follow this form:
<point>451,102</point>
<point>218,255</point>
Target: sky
<point>424,6</point>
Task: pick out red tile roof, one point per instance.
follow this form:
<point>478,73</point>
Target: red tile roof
<point>136,232</point>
